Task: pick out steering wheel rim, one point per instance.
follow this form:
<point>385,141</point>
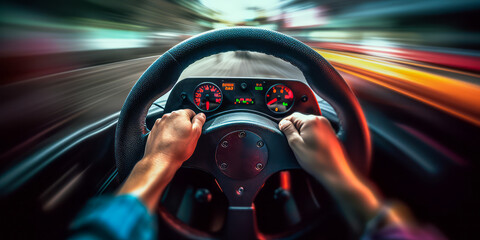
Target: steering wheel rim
<point>161,76</point>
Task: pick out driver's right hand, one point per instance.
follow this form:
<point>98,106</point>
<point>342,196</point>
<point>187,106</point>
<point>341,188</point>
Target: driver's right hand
<point>315,145</point>
<point>320,153</point>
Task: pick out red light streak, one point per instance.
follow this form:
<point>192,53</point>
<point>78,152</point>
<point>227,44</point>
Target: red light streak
<point>285,180</point>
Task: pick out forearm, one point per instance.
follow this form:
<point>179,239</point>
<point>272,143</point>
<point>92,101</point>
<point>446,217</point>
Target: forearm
<point>358,199</point>
<point>358,202</point>
<point>149,178</point>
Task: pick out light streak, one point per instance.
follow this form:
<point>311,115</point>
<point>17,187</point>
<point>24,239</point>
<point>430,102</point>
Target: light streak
<point>458,98</point>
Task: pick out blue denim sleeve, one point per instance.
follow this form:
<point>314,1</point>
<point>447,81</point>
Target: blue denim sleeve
<point>114,217</point>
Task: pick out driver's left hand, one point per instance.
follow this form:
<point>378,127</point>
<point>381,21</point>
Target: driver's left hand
<point>174,136</point>
<point>171,142</point>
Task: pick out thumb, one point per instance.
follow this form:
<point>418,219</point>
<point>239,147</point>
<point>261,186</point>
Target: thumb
<point>293,137</point>
<point>197,123</point>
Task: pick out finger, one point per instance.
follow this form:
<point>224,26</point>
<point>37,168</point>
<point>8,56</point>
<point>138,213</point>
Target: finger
<point>189,113</point>
<point>197,123</point>
<point>297,119</point>
<point>288,128</point>
<point>156,124</point>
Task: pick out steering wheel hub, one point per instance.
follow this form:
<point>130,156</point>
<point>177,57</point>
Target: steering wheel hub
<point>241,154</point>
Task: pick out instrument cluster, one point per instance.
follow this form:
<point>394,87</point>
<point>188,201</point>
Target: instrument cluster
<point>275,97</point>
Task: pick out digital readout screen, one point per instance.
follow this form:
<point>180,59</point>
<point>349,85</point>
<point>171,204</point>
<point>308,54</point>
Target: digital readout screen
<point>244,101</point>
<point>228,86</point>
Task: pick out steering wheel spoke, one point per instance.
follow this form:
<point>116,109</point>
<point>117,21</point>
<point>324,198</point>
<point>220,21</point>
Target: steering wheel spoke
<point>241,223</point>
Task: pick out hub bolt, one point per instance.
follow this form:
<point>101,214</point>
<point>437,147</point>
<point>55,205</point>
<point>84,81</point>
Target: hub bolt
<point>242,134</point>
<point>260,144</point>
<point>240,191</point>
<point>224,144</point>
<point>259,166</point>
<point>223,166</point>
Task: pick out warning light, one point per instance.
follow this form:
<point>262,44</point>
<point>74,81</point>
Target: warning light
<point>228,86</point>
<point>259,86</point>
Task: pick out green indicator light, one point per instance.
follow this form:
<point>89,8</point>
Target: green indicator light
<point>285,104</point>
<point>237,100</point>
<point>259,88</point>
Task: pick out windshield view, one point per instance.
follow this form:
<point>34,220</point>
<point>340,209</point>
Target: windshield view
<point>295,119</point>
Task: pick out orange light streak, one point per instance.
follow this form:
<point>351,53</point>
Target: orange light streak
<point>459,98</point>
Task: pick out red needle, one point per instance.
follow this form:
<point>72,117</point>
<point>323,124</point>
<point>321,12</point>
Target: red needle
<point>208,105</point>
<point>272,101</point>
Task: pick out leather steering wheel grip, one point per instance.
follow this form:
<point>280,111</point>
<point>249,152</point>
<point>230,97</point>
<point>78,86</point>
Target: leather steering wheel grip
<point>161,76</point>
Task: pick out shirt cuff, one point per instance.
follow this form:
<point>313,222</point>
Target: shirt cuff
<point>114,217</point>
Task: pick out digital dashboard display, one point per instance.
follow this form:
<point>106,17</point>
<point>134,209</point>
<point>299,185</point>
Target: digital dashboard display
<point>228,86</point>
<point>244,101</point>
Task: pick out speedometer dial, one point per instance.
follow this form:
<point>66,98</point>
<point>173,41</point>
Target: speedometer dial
<point>279,98</point>
<point>207,97</point>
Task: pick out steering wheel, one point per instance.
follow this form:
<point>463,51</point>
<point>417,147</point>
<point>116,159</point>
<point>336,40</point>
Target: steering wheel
<point>240,149</point>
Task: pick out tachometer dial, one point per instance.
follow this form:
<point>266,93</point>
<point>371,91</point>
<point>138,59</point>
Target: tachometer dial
<point>207,97</point>
<point>279,98</point>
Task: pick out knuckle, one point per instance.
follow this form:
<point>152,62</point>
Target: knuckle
<point>310,120</point>
<point>188,111</point>
<point>158,121</point>
<point>297,115</point>
<point>323,121</point>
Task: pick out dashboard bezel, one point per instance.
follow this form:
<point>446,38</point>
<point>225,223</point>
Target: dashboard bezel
<point>271,87</point>
<point>203,83</point>
<point>182,94</point>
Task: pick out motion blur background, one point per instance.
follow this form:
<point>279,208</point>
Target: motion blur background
<point>415,65</point>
